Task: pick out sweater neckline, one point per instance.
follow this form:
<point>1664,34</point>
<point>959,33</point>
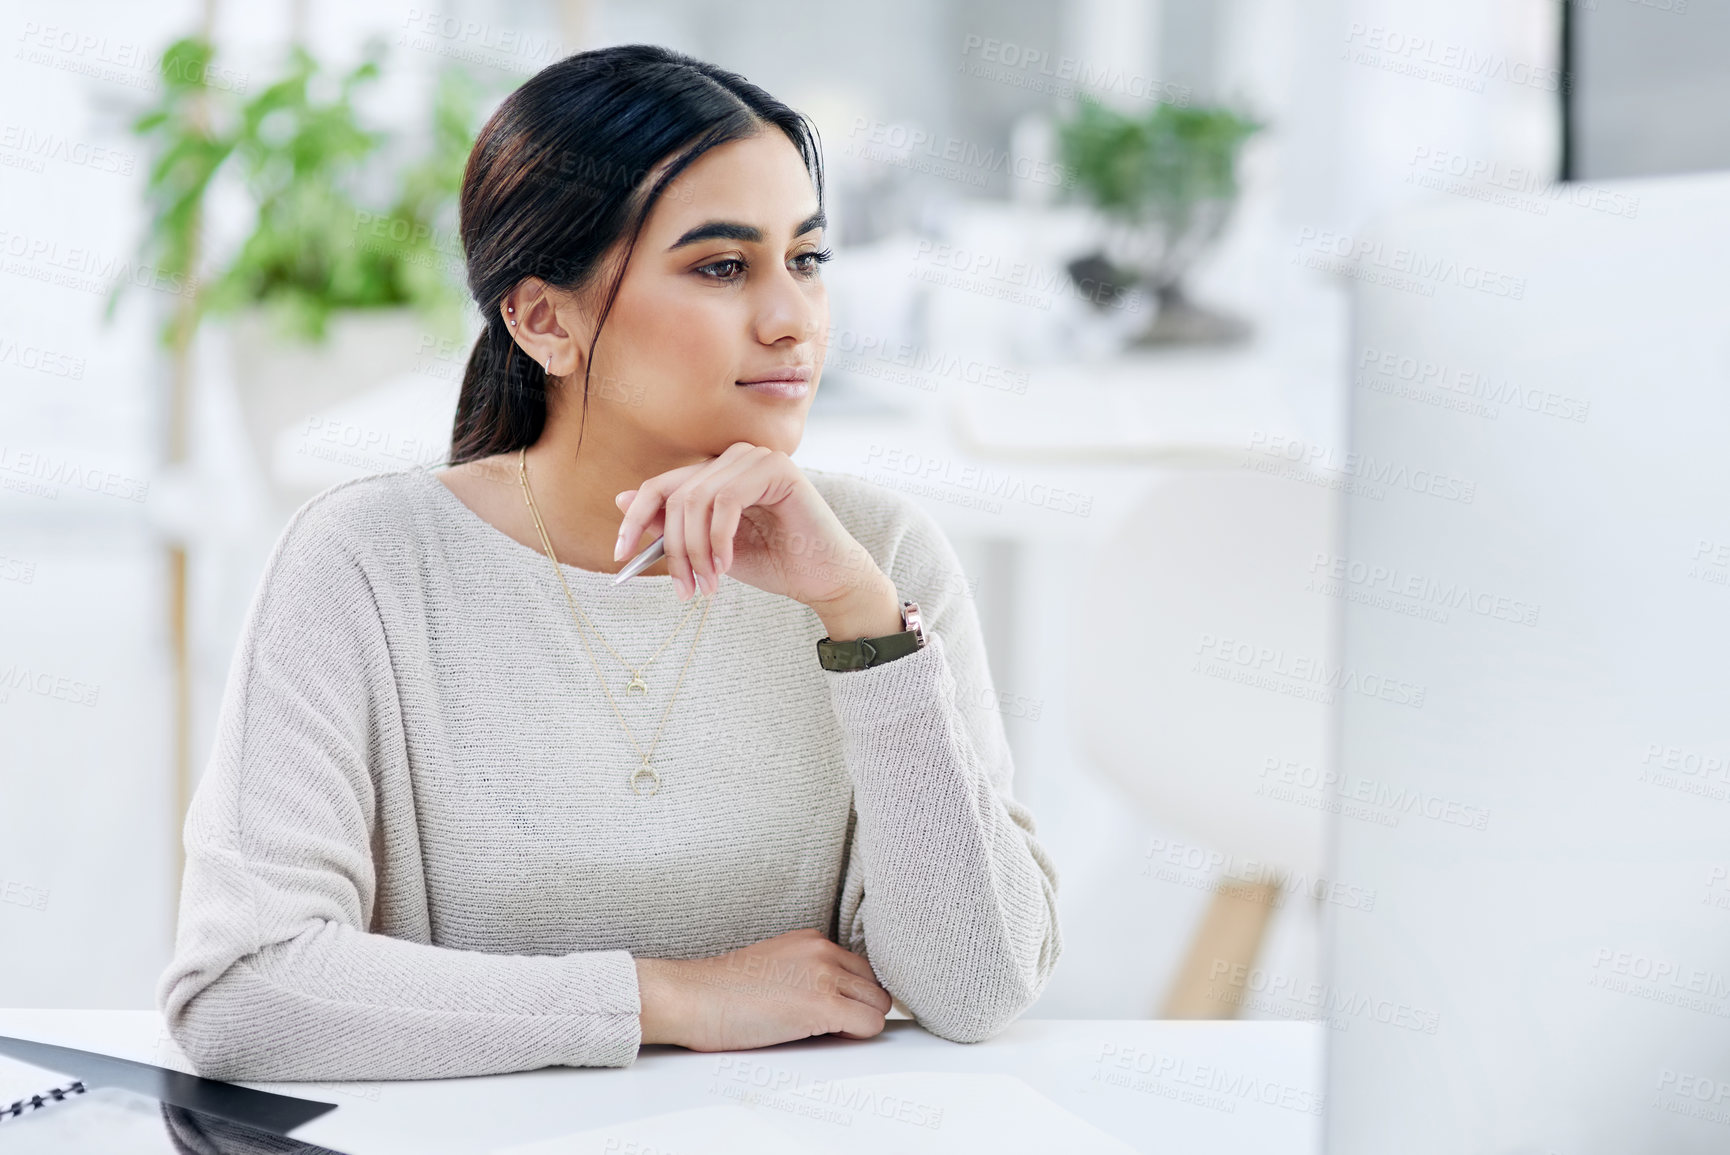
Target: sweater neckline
<point>511,545</point>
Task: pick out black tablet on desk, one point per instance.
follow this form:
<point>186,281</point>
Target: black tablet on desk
<point>120,1107</point>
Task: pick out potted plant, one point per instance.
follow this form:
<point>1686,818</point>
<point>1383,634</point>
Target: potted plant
<point>334,290</point>
<point>1164,183</point>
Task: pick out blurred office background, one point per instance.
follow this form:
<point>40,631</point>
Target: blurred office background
<point>1039,403</point>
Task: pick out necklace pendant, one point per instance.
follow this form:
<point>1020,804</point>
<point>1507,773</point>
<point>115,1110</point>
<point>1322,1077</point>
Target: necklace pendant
<point>637,686</point>
<point>644,774</point>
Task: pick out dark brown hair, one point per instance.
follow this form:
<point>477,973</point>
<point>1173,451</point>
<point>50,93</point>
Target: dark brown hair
<point>556,179</point>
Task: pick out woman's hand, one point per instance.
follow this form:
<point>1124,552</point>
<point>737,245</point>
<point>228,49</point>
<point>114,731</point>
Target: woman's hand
<point>792,986</point>
<point>752,513</point>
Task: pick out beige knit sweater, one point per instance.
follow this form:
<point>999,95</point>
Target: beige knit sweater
<point>413,853</point>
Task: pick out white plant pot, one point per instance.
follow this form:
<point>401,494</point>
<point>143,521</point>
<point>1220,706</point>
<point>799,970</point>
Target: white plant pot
<point>282,384</point>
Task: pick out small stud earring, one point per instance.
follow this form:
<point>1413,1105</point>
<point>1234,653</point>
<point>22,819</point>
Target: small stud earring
<point>511,309</point>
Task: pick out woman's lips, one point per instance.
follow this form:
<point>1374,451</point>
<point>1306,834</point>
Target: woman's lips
<point>785,390</point>
<point>787,385</point>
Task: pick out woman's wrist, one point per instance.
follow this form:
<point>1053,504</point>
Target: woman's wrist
<point>871,611</point>
<point>661,995</point>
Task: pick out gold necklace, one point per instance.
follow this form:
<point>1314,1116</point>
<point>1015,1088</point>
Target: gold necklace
<point>644,771</point>
<point>637,684</point>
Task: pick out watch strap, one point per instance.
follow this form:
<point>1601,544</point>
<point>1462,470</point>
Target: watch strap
<point>863,653</point>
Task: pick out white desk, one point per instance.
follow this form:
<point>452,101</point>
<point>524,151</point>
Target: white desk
<point>1043,1085</point>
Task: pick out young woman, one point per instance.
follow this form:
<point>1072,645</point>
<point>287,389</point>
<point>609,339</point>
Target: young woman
<point>474,807</point>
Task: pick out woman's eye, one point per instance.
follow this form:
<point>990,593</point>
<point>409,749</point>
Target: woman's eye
<point>816,257</point>
<point>718,264</point>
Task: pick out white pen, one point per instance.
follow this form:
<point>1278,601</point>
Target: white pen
<point>643,560</point>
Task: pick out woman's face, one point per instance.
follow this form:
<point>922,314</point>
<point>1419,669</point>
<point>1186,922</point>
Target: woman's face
<point>721,288</point>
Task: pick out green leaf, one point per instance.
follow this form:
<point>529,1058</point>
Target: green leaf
<point>318,244</point>
<point>1162,163</point>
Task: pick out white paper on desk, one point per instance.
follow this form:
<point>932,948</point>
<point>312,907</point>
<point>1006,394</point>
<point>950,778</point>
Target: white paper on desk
<point>715,1130</point>
<point>907,1112</point>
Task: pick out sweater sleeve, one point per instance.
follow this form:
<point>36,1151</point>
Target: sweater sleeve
<point>275,975</point>
<point>945,889</point>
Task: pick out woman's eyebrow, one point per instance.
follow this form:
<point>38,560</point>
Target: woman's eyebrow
<point>734,231</point>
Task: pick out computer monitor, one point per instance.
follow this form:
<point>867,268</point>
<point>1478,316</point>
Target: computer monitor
<point>1532,755</point>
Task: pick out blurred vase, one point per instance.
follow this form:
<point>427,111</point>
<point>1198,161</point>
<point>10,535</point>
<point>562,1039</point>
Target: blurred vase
<point>1156,249</point>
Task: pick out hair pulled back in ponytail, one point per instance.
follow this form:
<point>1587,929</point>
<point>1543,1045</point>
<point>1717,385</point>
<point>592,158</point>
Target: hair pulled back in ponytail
<point>556,179</point>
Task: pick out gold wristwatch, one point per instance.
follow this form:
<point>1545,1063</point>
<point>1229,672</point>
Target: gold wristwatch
<point>863,653</point>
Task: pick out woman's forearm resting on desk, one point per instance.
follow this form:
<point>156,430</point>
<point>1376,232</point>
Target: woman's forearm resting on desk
<point>947,892</point>
<point>334,1002</point>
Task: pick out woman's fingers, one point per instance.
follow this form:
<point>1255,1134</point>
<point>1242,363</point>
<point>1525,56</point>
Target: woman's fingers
<point>699,508</point>
<point>689,509</point>
<point>867,992</point>
<point>683,513</point>
<point>855,1020</point>
<point>628,547</point>
<point>649,510</point>
<point>860,982</point>
<point>747,485</point>
<point>646,505</point>
<point>725,494</point>
<point>847,960</point>
<point>695,539</point>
